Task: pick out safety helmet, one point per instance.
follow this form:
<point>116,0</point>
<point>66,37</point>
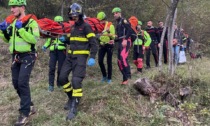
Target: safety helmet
<point>116,9</point>
<point>101,15</point>
<point>75,10</point>
<point>58,19</point>
<point>17,2</point>
<point>139,23</point>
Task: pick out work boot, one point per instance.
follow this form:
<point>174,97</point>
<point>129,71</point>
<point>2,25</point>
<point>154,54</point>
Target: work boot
<point>73,109</point>
<point>148,67</point>
<point>68,104</point>
<point>51,88</point>
<point>104,79</point>
<point>32,110</point>
<point>109,81</point>
<point>125,82</point>
<point>22,120</point>
<point>139,70</point>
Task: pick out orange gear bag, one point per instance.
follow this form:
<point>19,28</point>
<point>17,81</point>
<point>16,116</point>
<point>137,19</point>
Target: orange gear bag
<point>134,22</point>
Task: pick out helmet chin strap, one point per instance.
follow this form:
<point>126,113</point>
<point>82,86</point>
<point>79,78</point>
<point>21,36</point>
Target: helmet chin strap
<point>20,14</point>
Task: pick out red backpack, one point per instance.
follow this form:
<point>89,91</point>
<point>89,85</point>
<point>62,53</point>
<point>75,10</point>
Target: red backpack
<point>134,22</point>
<point>11,18</point>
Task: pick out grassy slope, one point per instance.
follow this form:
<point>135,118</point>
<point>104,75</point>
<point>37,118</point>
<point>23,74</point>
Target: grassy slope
<point>104,104</point>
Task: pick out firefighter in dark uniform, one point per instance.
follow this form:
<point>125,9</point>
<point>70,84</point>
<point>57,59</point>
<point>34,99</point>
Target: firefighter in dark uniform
<point>124,32</point>
<point>83,43</point>
<point>22,37</point>
<point>153,32</point>
<point>57,54</point>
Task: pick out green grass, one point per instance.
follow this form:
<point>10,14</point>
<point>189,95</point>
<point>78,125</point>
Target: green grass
<point>108,105</point>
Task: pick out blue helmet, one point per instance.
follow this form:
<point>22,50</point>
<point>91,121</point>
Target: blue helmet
<point>75,10</point>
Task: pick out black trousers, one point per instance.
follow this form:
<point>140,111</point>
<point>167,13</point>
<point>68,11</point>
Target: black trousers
<point>55,56</point>
<point>77,65</point>
<point>123,64</point>
<point>165,51</point>
<point>153,48</point>
<point>21,69</point>
<point>103,50</point>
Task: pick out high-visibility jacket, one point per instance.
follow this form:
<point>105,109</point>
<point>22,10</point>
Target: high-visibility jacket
<point>82,40</point>
<point>2,35</point>
<point>107,34</point>
<point>55,44</point>
<point>24,39</point>
<point>143,39</point>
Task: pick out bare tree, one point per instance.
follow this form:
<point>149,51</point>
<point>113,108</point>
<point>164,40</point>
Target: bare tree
<point>171,22</point>
<point>161,43</point>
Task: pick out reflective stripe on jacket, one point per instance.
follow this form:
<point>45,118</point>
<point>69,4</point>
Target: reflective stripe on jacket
<point>143,38</point>
<point>83,39</point>
<point>55,44</point>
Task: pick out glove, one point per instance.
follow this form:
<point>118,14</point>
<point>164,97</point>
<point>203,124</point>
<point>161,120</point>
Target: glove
<point>44,48</point>
<point>4,25</point>
<point>91,62</point>
<point>18,24</point>
<point>62,39</point>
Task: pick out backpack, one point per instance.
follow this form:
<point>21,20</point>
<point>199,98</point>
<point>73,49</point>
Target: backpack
<point>9,19</point>
<point>133,22</point>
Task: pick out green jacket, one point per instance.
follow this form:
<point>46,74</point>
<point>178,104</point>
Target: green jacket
<point>21,40</point>
<point>2,36</point>
<point>143,39</point>
<point>108,33</point>
<point>55,44</point>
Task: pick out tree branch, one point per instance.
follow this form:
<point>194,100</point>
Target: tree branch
<point>165,3</point>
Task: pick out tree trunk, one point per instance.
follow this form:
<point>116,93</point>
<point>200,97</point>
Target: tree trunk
<point>146,87</point>
<point>62,7</point>
<point>171,23</point>
<point>161,42</point>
